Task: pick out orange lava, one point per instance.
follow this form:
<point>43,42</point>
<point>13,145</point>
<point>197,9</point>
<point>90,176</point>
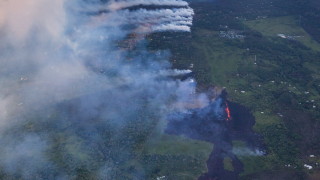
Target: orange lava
<point>228,112</point>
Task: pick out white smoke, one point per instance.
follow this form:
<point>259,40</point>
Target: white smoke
<point>18,18</point>
<point>243,151</point>
<point>170,27</point>
<point>116,5</point>
<point>164,19</point>
<point>176,19</point>
<point>175,72</point>
<point>63,78</point>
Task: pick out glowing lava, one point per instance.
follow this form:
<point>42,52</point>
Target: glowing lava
<point>228,112</point>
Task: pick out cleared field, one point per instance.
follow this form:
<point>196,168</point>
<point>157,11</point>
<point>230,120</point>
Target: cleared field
<point>175,157</point>
<point>178,145</point>
<point>223,59</point>
<point>286,25</point>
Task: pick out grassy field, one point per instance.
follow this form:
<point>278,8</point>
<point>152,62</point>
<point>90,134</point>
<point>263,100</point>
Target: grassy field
<point>177,145</point>
<point>176,157</point>
<point>222,59</point>
<point>288,25</point>
<point>227,163</point>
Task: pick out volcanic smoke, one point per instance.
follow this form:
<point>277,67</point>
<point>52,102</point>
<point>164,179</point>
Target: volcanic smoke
<point>70,100</point>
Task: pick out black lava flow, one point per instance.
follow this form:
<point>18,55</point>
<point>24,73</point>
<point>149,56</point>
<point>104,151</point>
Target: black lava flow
<point>211,124</point>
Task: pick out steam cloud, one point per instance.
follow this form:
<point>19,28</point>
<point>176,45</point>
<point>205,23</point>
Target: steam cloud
<point>116,5</point>
<point>70,100</point>
<point>176,19</point>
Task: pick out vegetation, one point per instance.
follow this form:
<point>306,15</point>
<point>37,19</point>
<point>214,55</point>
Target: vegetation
<point>175,157</point>
<point>276,78</point>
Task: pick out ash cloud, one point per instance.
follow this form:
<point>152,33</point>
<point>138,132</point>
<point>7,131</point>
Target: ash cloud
<point>74,104</point>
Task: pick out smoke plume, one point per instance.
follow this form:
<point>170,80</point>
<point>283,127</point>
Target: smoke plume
<point>73,102</point>
<point>116,5</point>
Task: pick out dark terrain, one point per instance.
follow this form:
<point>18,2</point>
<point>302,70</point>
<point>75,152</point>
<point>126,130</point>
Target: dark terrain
<point>208,125</point>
